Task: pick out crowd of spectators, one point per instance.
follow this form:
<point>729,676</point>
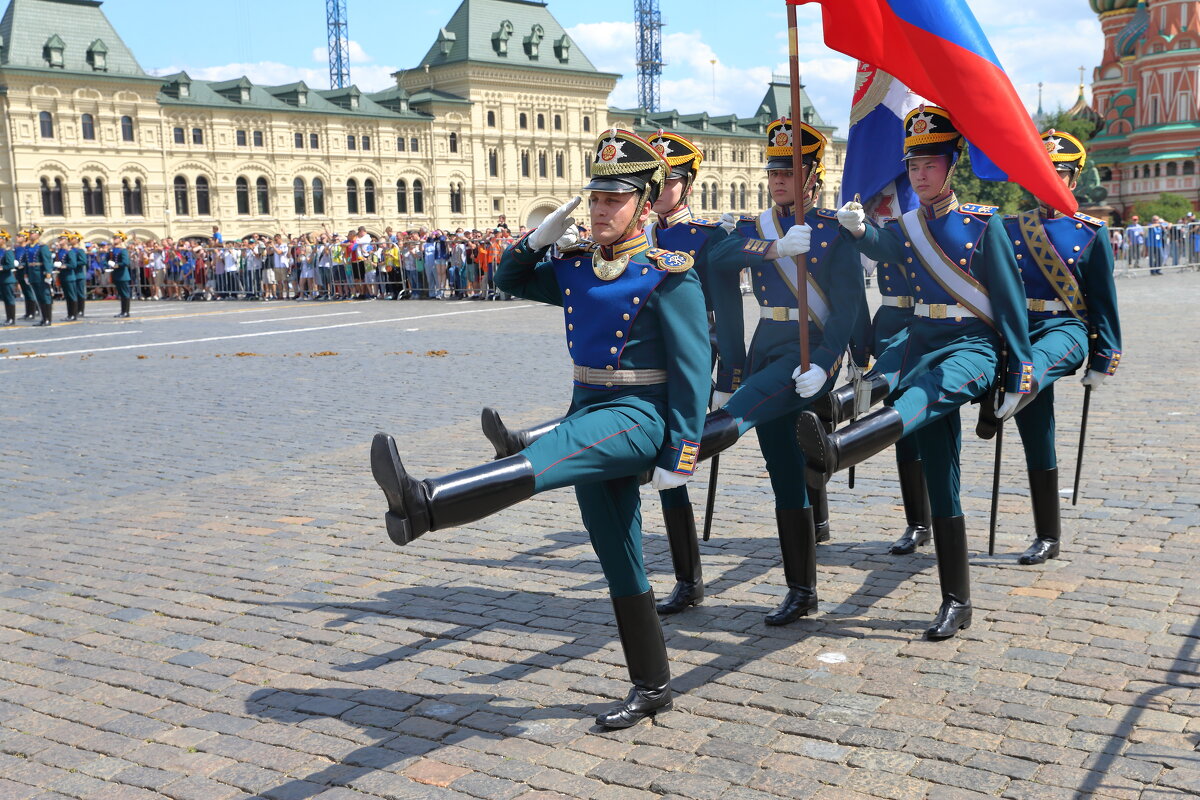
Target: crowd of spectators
<point>1158,243</point>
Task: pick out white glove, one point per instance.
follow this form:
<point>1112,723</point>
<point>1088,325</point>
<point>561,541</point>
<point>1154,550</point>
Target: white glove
<point>112,263</point>
<point>852,217</point>
<point>1093,378</point>
<point>1008,406</point>
<point>57,264</point>
<point>795,242</point>
<point>719,399</point>
<point>810,381</point>
<point>554,225</point>
<point>664,479</point>
<point>569,237</point>
<point>728,222</point>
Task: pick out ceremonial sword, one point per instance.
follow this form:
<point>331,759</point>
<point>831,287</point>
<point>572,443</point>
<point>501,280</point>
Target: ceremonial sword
<point>1087,402</point>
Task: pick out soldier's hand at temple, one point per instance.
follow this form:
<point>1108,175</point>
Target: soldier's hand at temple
<point>569,237</point>
<point>665,479</point>
<point>728,222</point>
<point>795,242</point>
<point>719,399</point>
<point>1093,378</point>
<point>1008,406</point>
<point>809,381</point>
<point>852,217</point>
<point>554,225</point>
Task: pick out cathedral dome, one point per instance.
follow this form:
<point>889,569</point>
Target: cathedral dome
<point>1128,39</point>
<point>1104,6</point>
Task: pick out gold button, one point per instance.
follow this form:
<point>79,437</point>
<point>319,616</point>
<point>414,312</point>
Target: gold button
<point>887,277</point>
<point>824,244</point>
<point>570,310</point>
<point>570,344</point>
<point>645,270</point>
<point>693,230</point>
<point>759,274</point>
<point>968,245</point>
<point>570,327</point>
<point>813,259</point>
<point>608,384</point>
<point>762,288</point>
<point>620,334</point>
<point>1016,241</point>
<point>691,252</point>
<point>918,288</point>
<point>568,292</point>
<point>612,350</point>
<point>608,367</point>
<point>1076,248</point>
<point>820,225</point>
<point>908,244</point>
<point>764,302</point>
<point>577,263</point>
<point>908,260</point>
<point>962,261</point>
<point>912,274</point>
<point>637,300</point>
<point>1078,224</point>
<point>966,220</point>
<point>625,317</point>
<point>1019,256</point>
<point>1070,261</point>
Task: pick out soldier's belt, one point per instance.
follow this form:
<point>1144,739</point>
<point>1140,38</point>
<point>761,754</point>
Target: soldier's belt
<point>942,311</point>
<point>779,313</point>
<point>900,301</point>
<point>619,377</point>
<point>1045,305</point>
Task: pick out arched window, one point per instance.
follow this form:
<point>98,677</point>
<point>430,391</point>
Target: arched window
<point>402,196</point>
<point>366,143</point>
<point>1145,170</point>
<point>1158,170</point>
<point>414,144</point>
<point>400,144</point>
<point>126,196</point>
<point>52,197</point>
<point>1172,169</point>
<point>133,197</point>
<point>318,189</point>
<point>127,129</point>
<point>493,163</point>
<point>93,198</point>
<point>264,196</point>
<point>704,197</point>
<point>369,196</point>
<point>732,196</point>
<point>298,198</point>
<point>418,197</point>
<point>177,135</point>
<point>456,198</point>
<point>87,126</point>
<point>587,124</point>
<point>541,122</point>
<point>351,196</point>
<point>524,163</point>
<point>541,163</point>
<point>742,197</point>
<point>560,165</point>
<point>203,201</point>
<point>1189,168</point>
<point>243,196</point>
<point>46,122</point>
<point>453,142</point>
<point>558,122</point>
<point>522,121</point>
<point>491,119</point>
<point>762,200</point>
<point>181,196</point>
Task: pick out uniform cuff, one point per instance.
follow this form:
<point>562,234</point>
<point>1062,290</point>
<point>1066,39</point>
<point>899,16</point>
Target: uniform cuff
<point>685,462</point>
<point>1020,381</point>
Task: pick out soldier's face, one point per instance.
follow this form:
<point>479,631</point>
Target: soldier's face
<point>611,213</point>
<point>671,195</point>
<point>782,183</point>
<point>1068,179</point>
<point>927,174</point>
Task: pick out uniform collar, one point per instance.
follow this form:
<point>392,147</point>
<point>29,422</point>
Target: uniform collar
<point>680,216</point>
<point>630,246</point>
<point>785,211</point>
<point>1047,212</point>
<point>940,208</point>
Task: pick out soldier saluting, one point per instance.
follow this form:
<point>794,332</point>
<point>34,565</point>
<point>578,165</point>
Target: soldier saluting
<point>969,308</point>
<point>1067,268</point>
<point>636,331</point>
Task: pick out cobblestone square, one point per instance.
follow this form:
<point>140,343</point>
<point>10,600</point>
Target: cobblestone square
<point>199,599</point>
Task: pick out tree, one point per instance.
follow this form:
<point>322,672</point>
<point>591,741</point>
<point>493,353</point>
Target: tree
<point>1170,207</point>
<point>971,189</point>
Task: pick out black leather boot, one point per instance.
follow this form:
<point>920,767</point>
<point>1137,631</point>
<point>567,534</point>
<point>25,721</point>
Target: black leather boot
<point>31,308</point>
<point>685,557</point>
<point>1043,493</point>
<point>10,314</point>
<point>798,545</point>
<point>506,442</point>
<point>954,573</point>
<point>916,508</point>
<point>826,453</point>
<point>47,314</point>
<point>70,310</point>
<point>838,406</point>
<point>417,507</point>
<point>79,307</point>
<point>818,499</point>
<point>646,659</point>
<point>124,308</point>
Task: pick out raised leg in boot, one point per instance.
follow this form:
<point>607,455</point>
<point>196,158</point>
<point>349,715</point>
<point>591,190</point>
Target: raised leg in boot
<point>839,405</point>
<point>1047,523</point>
<point>916,505</point>
<point>827,453</point>
<point>950,541</point>
<point>645,657</point>
<point>685,552</point>
<point>798,546</point>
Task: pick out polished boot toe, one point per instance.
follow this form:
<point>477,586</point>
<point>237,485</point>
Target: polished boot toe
<point>798,603</point>
<point>407,516</point>
<point>913,537</point>
<point>822,529</point>
<point>1039,551</point>
<point>951,618</point>
<point>639,704</point>
<point>685,595</point>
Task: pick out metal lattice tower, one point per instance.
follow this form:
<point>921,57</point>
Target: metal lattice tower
<point>339,44</point>
<point>649,24</point>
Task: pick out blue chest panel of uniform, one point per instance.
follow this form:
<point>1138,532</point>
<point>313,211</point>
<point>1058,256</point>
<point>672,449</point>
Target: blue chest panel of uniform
<point>771,288</point>
<point>684,237</point>
<point>599,314</point>
<point>1070,239</point>
<point>957,234</point>
<point>892,280</point>
<point>19,255</point>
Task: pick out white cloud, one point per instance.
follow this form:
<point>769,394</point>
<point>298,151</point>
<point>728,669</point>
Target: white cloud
<point>368,77</point>
<point>357,54</point>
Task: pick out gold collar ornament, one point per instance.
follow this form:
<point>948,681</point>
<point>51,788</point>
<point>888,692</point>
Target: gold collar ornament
<point>607,270</point>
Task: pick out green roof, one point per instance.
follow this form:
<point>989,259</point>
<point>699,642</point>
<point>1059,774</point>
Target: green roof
<point>79,25</point>
<point>692,125</point>
<point>517,33</point>
<point>777,102</point>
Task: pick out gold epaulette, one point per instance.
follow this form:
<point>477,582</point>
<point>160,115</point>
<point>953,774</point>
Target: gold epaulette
<point>1089,220</point>
<point>975,208</point>
<point>827,213</point>
<point>747,218</point>
<point>704,223</point>
<point>670,260</point>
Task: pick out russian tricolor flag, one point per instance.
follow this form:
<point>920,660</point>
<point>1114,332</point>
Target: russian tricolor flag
<point>937,49</point>
<point>874,170</point>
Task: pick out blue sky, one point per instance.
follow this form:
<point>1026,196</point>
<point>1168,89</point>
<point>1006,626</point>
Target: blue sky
<point>272,41</point>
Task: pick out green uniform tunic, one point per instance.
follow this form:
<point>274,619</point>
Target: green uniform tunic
<point>40,272</point>
<point>8,277</point>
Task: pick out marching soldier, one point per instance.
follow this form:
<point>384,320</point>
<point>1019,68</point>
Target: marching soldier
<point>122,275</point>
<point>76,273</point>
<point>8,279</point>
<point>19,255</point>
<point>61,252</point>
<point>1067,266</point>
<point>635,329</point>
<point>39,271</point>
<point>969,308</point>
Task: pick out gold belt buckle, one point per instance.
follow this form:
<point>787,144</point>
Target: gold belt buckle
<point>906,302</point>
<point>1037,304</point>
<point>937,311</point>
<point>780,313</point>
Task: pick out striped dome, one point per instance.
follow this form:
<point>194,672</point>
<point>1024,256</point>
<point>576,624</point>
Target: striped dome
<point>1104,6</point>
<point>1128,39</point>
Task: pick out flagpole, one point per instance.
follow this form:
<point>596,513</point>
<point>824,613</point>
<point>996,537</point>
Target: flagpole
<point>800,203</point>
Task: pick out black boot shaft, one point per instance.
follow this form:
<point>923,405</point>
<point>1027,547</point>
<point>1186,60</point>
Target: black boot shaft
<point>838,406</point>
<point>646,659</point>
<point>827,453</point>
<point>798,547</point>
<point>685,558</point>
<point>915,496</point>
<point>478,492</point>
<point>818,500</point>
<point>719,433</point>
<point>1043,494</point>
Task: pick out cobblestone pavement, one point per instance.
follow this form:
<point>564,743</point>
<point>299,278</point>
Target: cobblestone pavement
<point>199,600</point>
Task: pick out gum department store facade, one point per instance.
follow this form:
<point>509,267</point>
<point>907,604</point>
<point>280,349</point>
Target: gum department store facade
<point>497,118</point>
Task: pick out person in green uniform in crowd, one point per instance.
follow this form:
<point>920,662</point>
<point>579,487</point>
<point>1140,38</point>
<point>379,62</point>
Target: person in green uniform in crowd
<point>8,279</point>
<point>61,252</point>
<point>674,228</point>
<point>122,274</point>
<point>969,321</point>
<point>39,271</point>
<point>76,273</point>
<point>635,328</point>
<point>1067,267</point>
<point>20,254</point>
